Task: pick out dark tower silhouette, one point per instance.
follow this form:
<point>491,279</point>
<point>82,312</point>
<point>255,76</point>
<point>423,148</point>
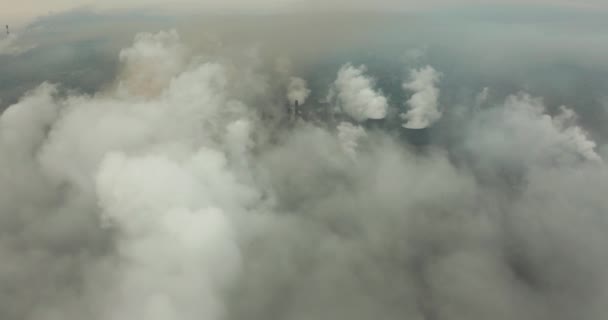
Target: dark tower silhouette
<point>7,30</point>
<point>297,111</point>
<point>288,110</point>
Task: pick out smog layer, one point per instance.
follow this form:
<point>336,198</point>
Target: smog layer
<point>292,167</point>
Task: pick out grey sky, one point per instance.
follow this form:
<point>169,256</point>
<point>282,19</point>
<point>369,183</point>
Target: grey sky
<point>20,12</point>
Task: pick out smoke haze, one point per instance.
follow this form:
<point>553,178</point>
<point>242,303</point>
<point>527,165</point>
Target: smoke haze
<point>156,175</point>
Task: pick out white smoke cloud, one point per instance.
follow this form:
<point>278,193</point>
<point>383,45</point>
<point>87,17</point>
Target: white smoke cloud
<point>574,137</point>
<point>357,96</point>
<point>424,104</point>
<point>349,136</point>
<point>297,90</point>
<point>154,168</point>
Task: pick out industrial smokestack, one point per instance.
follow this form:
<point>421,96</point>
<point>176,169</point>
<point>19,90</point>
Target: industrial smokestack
<point>297,111</point>
<point>7,30</point>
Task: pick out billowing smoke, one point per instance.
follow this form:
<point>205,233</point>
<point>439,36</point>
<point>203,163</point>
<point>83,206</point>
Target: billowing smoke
<point>297,90</point>
<point>149,165</point>
<point>172,195</point>
<point>356,95</point>
<point>424,103</point>
<point>533,135</point>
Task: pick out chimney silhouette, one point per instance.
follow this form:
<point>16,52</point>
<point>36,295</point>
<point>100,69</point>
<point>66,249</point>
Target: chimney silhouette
<point>7,30</point>
<point>297,110</point>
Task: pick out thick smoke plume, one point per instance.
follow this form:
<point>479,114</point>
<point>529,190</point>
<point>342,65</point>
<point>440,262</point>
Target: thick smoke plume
<point>357,96</point>
<point>424,103</point>
<point>151,63</point>
<point>175,194</point>
<point>534,135</point>
<point>297,90</point>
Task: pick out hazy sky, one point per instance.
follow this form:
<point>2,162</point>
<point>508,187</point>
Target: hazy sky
<point>19,12</point>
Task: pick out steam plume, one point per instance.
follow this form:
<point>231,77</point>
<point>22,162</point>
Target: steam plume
<point>424,105</point>
<point>357,96</point>
<point>297,90</point>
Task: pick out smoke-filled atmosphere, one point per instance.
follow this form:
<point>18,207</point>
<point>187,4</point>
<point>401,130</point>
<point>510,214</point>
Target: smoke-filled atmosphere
<point>312,161</point>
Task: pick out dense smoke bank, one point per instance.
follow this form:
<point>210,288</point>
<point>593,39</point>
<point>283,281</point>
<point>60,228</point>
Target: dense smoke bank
<point>177,194</point>
<point>297,90</point>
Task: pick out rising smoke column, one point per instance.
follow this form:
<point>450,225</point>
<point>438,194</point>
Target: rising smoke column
<point>151,62</point>
<point>349,136</point>
<point>574,137</point>
<point>297,90</point>
<point>423,105</point>
<point>175,199</point>
<point>356,95</point>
